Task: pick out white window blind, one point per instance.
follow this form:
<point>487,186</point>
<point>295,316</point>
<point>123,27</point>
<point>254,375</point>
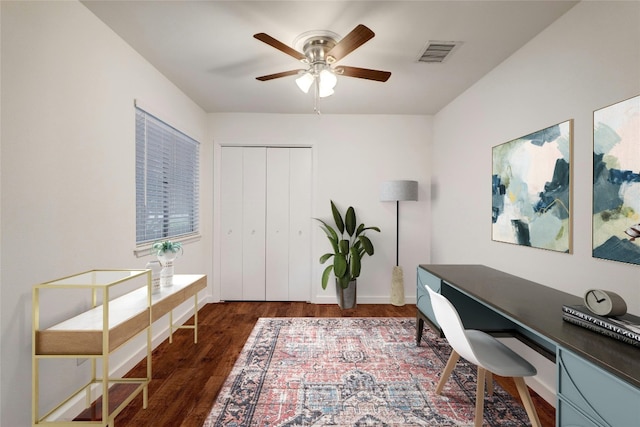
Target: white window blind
<point>167,180</point>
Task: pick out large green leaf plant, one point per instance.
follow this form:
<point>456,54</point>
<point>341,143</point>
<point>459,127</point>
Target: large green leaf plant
<point>348,249</point>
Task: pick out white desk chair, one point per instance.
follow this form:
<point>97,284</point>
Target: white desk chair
<point>483,350</point>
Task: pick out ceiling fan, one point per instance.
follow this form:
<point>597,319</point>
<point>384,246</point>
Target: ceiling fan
<point>320,51</point>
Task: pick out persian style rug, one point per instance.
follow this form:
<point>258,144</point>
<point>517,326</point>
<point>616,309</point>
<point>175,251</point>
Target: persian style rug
<point>351,372</point>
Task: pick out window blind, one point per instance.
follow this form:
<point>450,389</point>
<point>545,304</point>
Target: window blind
<point>167,180</point>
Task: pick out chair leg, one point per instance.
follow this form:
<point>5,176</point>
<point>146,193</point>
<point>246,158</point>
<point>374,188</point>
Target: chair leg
<point>490,383</point>
<point>527,402</point>
<point>451,363</point>
<point>480,397</point>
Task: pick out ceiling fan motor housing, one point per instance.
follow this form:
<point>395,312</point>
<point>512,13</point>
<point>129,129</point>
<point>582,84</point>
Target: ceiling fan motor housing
<point>316,48</point>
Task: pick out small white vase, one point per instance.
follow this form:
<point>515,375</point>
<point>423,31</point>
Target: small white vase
<point>156,271</point>
<point>166,275</point>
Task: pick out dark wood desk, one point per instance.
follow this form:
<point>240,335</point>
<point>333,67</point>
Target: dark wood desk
<point>492,300</point>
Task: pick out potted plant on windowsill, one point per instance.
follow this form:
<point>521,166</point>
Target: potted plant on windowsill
<point>348,251</point>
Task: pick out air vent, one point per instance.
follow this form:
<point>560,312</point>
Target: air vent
<point>438,51</point>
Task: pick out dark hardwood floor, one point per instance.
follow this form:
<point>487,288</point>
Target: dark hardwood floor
<point>188,376</point>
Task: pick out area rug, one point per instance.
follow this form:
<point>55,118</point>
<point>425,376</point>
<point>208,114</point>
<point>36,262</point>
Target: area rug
<point>351,372</point>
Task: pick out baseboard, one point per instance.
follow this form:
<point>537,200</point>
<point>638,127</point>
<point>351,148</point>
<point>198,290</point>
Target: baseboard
<point>322,299</point>
<point>544,382</point>
<point>162,325</point>
<point>543,390</point>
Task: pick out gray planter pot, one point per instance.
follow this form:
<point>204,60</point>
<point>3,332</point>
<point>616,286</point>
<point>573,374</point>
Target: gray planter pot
<point>347,298</point>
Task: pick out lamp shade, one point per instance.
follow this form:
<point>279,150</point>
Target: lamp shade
<point>326,82</point>
<point>304,81</point>
<point>392,191</point>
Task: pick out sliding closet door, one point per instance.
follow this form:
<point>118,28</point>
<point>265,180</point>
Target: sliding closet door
<point>288,245</point>
<point>300,224</point>
<point>253,223</point>
<point>231,201</point>
<point>242,226</point>
<point>277,244</point>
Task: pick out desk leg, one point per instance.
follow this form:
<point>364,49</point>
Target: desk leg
<point>173,327</point>
<point>421,319</point>
<point>170,326</point>
<point>195,319</point>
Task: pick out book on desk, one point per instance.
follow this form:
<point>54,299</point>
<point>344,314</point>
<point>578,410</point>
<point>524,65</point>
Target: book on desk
<point>625,328</point>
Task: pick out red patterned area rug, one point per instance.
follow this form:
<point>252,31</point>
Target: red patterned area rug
<point>351,372</point>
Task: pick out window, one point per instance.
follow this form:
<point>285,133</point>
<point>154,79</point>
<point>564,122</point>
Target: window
<point>166,180</point>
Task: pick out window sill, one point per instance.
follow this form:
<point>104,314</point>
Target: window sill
<point>145,249</point>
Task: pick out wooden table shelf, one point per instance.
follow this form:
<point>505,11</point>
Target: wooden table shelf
<point>128,315</point>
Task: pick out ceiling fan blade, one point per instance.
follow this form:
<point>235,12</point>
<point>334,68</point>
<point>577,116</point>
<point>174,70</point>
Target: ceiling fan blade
<point>280,46</point>
<point>278,75</point>
<point>356,38</point>
<point>364,73</point>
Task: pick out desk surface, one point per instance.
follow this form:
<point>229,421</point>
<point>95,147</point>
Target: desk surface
<point>539,308</point>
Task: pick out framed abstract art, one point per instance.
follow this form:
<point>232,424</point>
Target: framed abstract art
<point>616,182</point>
<point>531,189</point>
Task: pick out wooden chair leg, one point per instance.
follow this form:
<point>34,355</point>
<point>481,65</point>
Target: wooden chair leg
<point>490,383</point>
<point>526,401</point>
<point>480,397</point>
<point>451,363</point>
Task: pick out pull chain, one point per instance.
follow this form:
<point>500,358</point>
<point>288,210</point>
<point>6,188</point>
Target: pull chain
<point>316,92</point>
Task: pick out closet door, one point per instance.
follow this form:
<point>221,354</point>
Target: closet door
<point>277,243</point>
<point>231,201</point>
<point>253,223</point>
<point>288,244</point>
<point>300,224</point>
<point>265,208</point>
<point>242,223</point>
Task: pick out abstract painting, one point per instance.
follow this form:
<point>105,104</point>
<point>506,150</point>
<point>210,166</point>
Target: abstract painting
<point>531,189</point>
<point>616,182</point>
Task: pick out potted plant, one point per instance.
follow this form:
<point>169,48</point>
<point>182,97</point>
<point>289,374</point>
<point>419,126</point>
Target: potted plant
<point>167,251</point>
<point>167,246</point>
<point>348,251</point>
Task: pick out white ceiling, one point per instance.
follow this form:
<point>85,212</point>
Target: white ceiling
<point>207,49</point>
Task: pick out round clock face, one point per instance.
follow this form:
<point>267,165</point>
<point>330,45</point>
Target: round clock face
<point>598,302</point>
<point>604,303</point>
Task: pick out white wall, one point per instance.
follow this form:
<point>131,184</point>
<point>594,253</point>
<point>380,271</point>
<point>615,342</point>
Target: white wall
<point>588,59</point>
<point>68,174</point>
<point>352,155</point>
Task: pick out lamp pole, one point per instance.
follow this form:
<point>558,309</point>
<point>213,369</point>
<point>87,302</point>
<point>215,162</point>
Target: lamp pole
<point>397,233</point>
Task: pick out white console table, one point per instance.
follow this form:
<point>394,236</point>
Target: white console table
<point>97,332</point>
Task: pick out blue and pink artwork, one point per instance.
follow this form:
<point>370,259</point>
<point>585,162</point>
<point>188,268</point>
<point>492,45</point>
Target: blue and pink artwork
<point>531,189</point>
<point>616,182</point>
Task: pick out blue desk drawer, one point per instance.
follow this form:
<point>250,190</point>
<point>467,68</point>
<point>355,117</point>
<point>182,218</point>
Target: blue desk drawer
<point>598,395</point>
<point>423,302</point>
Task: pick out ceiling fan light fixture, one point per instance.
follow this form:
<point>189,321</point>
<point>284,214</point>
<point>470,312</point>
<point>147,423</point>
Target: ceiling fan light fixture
<point>305,81</point>
<point>327,80</point>
<point>323,93</point>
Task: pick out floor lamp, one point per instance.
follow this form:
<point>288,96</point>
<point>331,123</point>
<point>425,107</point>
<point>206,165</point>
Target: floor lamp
<point>397,191</point>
